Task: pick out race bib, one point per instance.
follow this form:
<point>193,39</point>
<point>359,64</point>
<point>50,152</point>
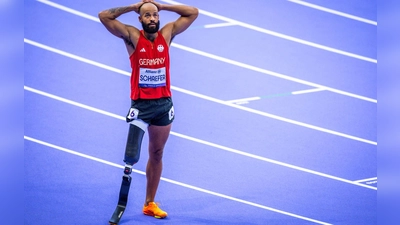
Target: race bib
<point>152,77</point>
<point>171,113</point>
<point>132,115</point>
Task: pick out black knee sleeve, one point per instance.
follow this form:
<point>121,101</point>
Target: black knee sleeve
<point>133,145</point>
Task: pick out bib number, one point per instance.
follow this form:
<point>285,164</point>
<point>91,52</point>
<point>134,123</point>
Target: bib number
<point>132,115</point>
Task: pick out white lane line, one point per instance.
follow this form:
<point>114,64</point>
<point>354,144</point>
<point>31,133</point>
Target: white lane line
<point>365,180</point>
<point>271,73</point>
<point>274,161</point>
<point>207,97</point>
<point>72,56</point>
<point>276,34</point>
<point>307,91</point>
<point>222,59</point>
<point>334,12</point>
<point>218,25</point>
<point>247,100</point>
<point>243,100</point>
<point>73,11</point>
<point>221,147</point>
<point>261,113</point>
<point>172,181</point>
<point>61,99</point>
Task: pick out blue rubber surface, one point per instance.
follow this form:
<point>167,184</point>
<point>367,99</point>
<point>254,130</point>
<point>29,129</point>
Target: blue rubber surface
<point>246,146</point>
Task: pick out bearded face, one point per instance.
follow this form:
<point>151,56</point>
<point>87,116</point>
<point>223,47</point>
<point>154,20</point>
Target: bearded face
<point>151,27</point>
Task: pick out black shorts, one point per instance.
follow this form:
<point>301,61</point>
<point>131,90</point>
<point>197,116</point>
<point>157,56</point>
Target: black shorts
<point>158,112</point>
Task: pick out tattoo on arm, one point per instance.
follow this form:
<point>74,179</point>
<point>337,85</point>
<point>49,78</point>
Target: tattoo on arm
<point>119,10</point>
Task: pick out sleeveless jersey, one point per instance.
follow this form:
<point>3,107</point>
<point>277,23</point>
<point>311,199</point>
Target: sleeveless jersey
<point>150,77</point>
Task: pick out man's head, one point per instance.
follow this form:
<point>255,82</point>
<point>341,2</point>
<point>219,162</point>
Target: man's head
<point>148,16</point>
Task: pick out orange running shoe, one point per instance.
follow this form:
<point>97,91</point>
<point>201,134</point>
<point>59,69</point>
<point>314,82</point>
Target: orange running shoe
<point>152,210</point>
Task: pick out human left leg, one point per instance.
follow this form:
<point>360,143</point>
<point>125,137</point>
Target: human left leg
<point>158,136</point>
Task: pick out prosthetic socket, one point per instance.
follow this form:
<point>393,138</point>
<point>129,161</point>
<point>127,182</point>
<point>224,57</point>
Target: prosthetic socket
<point>132,155</point>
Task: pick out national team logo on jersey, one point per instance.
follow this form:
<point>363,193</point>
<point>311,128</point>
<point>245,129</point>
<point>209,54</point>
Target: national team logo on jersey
<point>160,48</point>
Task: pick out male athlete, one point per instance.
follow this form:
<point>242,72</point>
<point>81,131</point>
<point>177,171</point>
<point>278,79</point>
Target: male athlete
<point>151,109</point>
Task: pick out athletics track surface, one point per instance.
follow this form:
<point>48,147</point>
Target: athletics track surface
<point>275,115</point>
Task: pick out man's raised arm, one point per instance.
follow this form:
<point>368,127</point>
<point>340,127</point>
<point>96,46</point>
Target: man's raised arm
<point>187,16</point>
<point>108,19</point>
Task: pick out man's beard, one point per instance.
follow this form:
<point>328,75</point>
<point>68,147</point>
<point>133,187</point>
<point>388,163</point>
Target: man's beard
<point>151,30</point>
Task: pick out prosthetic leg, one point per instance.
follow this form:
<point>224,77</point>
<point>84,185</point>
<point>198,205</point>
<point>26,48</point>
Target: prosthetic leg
<point>132,155</point>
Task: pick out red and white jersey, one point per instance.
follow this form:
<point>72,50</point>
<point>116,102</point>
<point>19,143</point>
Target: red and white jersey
<point>150,77</point>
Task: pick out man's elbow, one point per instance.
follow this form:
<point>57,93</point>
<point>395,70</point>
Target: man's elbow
<point>195,11</point>
<point>103,15</point>
<point>100,15</point>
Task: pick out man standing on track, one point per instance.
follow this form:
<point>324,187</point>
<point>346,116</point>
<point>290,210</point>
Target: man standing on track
<point>151,109</point>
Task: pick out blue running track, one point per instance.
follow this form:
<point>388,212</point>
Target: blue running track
<point>275,115</point>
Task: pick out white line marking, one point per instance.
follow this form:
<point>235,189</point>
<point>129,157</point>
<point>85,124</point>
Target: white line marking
<point>275,74</point>
<point>222,59</point>
<point>78,153</point>
<point>273,161</point>
<point>365,180</point>
<point>218,25</point>
<point>275,117</point>
<point>287,37</point>
<point>172,181</point>
<point>205,96</point>
<point>241,103</point>
<point>73,11</point>
<point>334,12</point>
<point>273,33</point>
<point>88,61</point>
<point>247,100</point>
<point>198,140</point>
<point>236,101</point>
<point>61,99</point>
<point>307,91</point>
